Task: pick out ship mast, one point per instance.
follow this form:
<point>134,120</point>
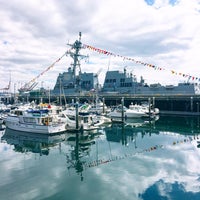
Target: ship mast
<point>74,52</point>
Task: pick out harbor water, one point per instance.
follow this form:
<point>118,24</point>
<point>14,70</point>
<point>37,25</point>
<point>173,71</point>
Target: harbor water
<point>141,160</point>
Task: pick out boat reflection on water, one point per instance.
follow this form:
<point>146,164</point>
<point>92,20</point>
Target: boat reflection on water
<point>126,132</point>
<point>91,149</point>
<point>152,156</point>
<point>129,131</point>
<point>80,147</point>
<point>186,125</point>
<point>31,142</point>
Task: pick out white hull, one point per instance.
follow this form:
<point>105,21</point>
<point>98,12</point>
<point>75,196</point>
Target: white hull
<point>115,114</point>
<point>86,122</point>
<point>14,124</point>
<point>132,114</point>
<point>128,114</point>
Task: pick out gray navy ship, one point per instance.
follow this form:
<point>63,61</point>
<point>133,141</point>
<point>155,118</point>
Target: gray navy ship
<point>76,82</point>
<point>123,82</point>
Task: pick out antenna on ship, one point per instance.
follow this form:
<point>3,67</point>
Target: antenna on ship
<point>74,52</point>
<point>79,36</point>
<point>109,63</point>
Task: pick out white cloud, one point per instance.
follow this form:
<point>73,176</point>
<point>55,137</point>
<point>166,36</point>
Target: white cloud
<point>34,34</point>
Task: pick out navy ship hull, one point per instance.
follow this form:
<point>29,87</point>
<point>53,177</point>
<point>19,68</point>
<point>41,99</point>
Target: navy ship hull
<point>124,83</point>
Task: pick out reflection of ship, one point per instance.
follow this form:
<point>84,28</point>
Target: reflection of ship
<point>30,142</point>
<point>81,146</point>
<point>83,140</point>
<point>135,141</point>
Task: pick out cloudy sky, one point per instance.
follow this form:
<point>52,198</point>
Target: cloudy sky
<point>35,33</point>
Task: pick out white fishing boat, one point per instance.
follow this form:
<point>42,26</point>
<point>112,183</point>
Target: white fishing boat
<point>117,112</point>
<point>92,121</point>
<point>86,121</point>
<point>70,110</point>
<point>98,108</point>
<point>35,121</point>
<point>136,111</point>
<point>149,109</point>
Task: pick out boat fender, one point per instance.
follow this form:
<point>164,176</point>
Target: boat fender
<point>67,125</point>
<point>81,129</point>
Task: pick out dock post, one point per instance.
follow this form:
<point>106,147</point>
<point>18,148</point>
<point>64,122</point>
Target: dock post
<point>123,135</point>
<point>103,105</point>
<point>122,101</point>
<point>77,125</point>
<point>149,101</point>
<point>153,103</point>
<point>191,104</point>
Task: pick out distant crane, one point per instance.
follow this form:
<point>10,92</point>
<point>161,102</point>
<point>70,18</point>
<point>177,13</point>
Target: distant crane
<point>28,87</point>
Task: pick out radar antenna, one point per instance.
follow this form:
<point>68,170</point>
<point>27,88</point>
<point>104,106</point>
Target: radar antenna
<point>74,52</point>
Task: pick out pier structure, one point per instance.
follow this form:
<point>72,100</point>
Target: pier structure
<point>167,104</point>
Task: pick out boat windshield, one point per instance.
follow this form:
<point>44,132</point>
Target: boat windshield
<point>46,120</point>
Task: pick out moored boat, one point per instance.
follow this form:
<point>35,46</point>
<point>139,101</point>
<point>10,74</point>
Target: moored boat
<point>117,112</point>
<point>35,121</point>
<point>133,111</point>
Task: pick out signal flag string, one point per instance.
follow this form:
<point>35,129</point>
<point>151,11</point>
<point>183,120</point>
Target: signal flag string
<point>105,52</point>
<point>150,149</point>
<point>47,69</point>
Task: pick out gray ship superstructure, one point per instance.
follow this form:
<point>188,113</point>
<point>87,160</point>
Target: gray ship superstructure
<point>123,82</point>
<point>74,81</point>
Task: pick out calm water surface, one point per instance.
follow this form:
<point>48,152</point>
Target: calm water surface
<point>142,160</point>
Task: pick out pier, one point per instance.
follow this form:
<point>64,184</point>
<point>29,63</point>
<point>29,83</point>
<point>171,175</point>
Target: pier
<point>167,104</point>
